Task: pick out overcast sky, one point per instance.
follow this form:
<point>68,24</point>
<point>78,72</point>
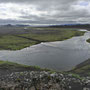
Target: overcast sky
<point>44,11</point>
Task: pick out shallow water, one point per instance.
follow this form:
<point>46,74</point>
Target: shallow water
<point>60,55</point>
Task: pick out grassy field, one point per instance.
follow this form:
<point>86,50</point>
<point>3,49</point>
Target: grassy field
<point>59,36</point>
<point>88,40</point>
<point>35,36</point>
<point>10,42</point>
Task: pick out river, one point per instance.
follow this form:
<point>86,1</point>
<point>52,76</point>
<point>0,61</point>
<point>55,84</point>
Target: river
<point>60,55</point>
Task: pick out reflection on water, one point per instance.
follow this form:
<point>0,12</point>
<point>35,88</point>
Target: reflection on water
<point>60,55</point>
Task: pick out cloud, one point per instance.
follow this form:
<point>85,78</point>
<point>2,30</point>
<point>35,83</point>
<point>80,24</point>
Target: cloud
<point>45,11</point>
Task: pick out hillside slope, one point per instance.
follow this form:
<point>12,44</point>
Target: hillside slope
<point>83,68</point>
<point>7,67</point>
<point>21,77</point>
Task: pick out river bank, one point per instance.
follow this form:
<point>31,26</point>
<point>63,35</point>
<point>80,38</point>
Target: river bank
<point>59,55</point>
<point>17,38</point>
<point>22,77</point>
<point>15,76</point>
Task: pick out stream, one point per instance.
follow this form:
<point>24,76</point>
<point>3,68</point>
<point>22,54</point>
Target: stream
<point>59,55</point>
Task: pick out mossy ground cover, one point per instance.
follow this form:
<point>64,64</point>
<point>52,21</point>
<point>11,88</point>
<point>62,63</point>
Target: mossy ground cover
<point>83,68</point>
<point>10,42</point>
<point>88,40</point>
<point>62,34</point>
<point>13,42</point>
<point>8,65</point>
<point>15,67</point>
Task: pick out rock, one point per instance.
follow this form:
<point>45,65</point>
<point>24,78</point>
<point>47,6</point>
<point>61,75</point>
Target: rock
<point>41,80</point>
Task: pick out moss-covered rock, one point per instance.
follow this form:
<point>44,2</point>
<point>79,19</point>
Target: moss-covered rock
<point>88,40</point>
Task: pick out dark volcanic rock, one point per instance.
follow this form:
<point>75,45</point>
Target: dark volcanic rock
<point>41,80</point>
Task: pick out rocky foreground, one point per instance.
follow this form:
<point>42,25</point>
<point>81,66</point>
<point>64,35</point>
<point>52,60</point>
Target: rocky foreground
<point>42,80</point>
<point>15,76</point>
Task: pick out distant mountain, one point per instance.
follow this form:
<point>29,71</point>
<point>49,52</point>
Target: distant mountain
<point>7,25</point>
<point>84,26</point>
<point>21,25</point>
<point>17,25</point>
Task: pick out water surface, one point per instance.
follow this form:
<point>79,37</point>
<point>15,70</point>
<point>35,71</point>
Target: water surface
<point>60,55</point>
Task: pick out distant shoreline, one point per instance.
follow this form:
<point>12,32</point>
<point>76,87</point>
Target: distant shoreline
<point>17,38</point>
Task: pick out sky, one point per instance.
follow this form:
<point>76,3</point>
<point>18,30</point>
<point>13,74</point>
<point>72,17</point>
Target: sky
<point>44,11</point>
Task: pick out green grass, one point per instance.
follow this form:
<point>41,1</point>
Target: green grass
<point>13,42</point>
<point>15,66</point>
<point>9,42</point>
<point>76,76</point>
<point>88,40</point>
<point>83,68</point>
<point>11,66</point>
<point>59,36</point>
<point>8,64</point>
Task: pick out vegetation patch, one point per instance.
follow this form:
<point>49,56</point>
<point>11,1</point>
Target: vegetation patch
<point>36,36</point>
<point>15,67</point>
<point>88,40</point>
<point>83,68</point>
<point>11,42</point>
<point>59,35</point>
